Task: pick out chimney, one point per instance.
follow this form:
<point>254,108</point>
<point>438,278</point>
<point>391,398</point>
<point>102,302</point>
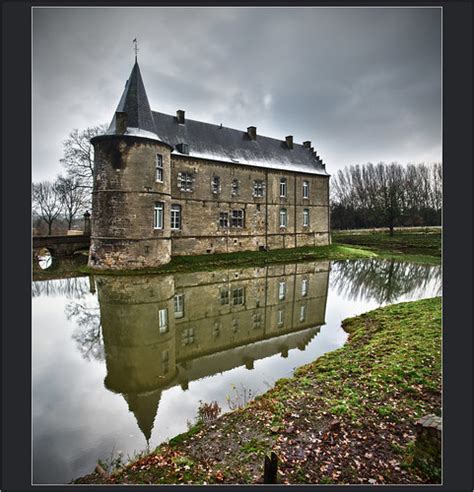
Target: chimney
<point>180,116</point>
<point>307,144</point>
<point>120,122</point>
<point>252,132</point>
<point>289,141</point>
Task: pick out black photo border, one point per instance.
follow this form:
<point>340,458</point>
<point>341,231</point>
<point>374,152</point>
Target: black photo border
<point>16,236</point>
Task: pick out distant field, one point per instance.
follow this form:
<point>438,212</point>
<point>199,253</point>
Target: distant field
<point>385,229</point>
<point>423,243</point>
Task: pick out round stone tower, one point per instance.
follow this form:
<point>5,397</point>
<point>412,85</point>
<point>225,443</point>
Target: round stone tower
<point>130,223</point>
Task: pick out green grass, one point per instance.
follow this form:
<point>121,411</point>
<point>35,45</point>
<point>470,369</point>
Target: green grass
<point>194,263</point>
<point>420,246</point>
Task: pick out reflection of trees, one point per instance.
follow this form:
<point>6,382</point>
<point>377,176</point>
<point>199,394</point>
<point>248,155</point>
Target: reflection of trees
<point>72,288</point>
<point>88,336</point>
<point>382,280</point>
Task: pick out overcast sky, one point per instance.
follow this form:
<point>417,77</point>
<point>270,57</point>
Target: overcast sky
<point>363,84</point>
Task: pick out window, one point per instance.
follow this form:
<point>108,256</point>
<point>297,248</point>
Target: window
<point>237,218</point>
<point>223,219</point>
<point>158,215</point>
<point>235,325</point>
<point>283,217</point>
<point>281,290</point>
<point>258,188</point>
<point>238,296</point>
<point>163,320</point>
<point>304,287</point>
<point>305,189</point>
<point>185,181</point>
<point>257,321</point>
<point>175,217</point>
<point>282,187</point>
<point>217,329</point>
<point>188,336</point>
<point>216,184</point>
<point>281,317</point>
<point>179,305</point>
<point>235,189</point>
<point>302,313</point>
<point>224,296</point>
<point>159,168</point>
<point>306,217</point>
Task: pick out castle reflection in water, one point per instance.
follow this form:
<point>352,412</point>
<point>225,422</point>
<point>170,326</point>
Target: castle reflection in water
<point>167,330</point>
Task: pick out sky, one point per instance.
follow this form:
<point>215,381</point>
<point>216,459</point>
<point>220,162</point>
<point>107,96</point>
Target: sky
<point>363,84</point>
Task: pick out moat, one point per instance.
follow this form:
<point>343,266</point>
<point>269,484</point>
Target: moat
<point>122,363</point>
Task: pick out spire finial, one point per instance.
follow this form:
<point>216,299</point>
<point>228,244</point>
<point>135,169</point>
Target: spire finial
<point>135,47</point>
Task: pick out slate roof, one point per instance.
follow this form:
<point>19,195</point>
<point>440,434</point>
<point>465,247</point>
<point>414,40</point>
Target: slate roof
<point>208,141</point>
<point>134,102</point>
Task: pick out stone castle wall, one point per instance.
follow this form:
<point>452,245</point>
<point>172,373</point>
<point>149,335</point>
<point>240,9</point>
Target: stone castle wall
<point>123,235</point>
<point>201,233</point>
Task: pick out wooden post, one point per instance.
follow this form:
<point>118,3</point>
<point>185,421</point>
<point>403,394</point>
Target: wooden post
<point>270,468</point>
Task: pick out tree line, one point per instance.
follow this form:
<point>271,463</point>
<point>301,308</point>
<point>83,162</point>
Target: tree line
<point>386,195</point>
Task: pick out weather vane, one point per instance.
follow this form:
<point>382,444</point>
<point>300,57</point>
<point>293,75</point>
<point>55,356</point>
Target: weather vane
<point>135,48</point>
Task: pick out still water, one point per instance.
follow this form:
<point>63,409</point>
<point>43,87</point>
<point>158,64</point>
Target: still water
<point>121,363</point>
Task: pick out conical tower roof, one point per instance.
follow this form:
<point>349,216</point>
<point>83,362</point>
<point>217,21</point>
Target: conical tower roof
<point>134,102</point>
<point>144,407</point>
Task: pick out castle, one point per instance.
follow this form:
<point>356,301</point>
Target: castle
<point>167,185</point>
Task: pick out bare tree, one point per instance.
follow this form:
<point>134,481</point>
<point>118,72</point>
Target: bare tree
<point>47,202</point>
<point>78,157</point>
<point>73,198</point>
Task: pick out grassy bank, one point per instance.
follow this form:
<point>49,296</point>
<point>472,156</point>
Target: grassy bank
<point>406,246</point>
<point>247,259</point>
<point>423,246</point>
<point>348,417</point>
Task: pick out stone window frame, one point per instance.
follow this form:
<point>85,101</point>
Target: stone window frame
<point>306,190</point>
<point>304,287</point>
<point>175,216</point>
<point>302,313</point>
<point>238,296</point>
<point>179,305</point>
<point>237,218</point>
<point>257,319</point>
<point>224,296</point>
<point>281,290</point>
<point>258,188</point>
<point>188,337</point>
<point>281,317</point>
<point>283,187</point>
<point>159,170</point>
<point>306,217</point>
<point>215,184</point>
<point>235,187</point>
<point>185,181</point>
<point>283,218</point>
<point>224,220</point>
<point>163,320</point>
<point>158,216</point>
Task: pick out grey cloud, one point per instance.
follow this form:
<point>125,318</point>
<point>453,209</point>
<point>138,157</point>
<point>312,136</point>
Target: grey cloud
<point>361,83</point>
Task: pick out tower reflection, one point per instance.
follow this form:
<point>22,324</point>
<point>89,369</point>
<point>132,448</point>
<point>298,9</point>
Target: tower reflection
<point>163,331</point>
